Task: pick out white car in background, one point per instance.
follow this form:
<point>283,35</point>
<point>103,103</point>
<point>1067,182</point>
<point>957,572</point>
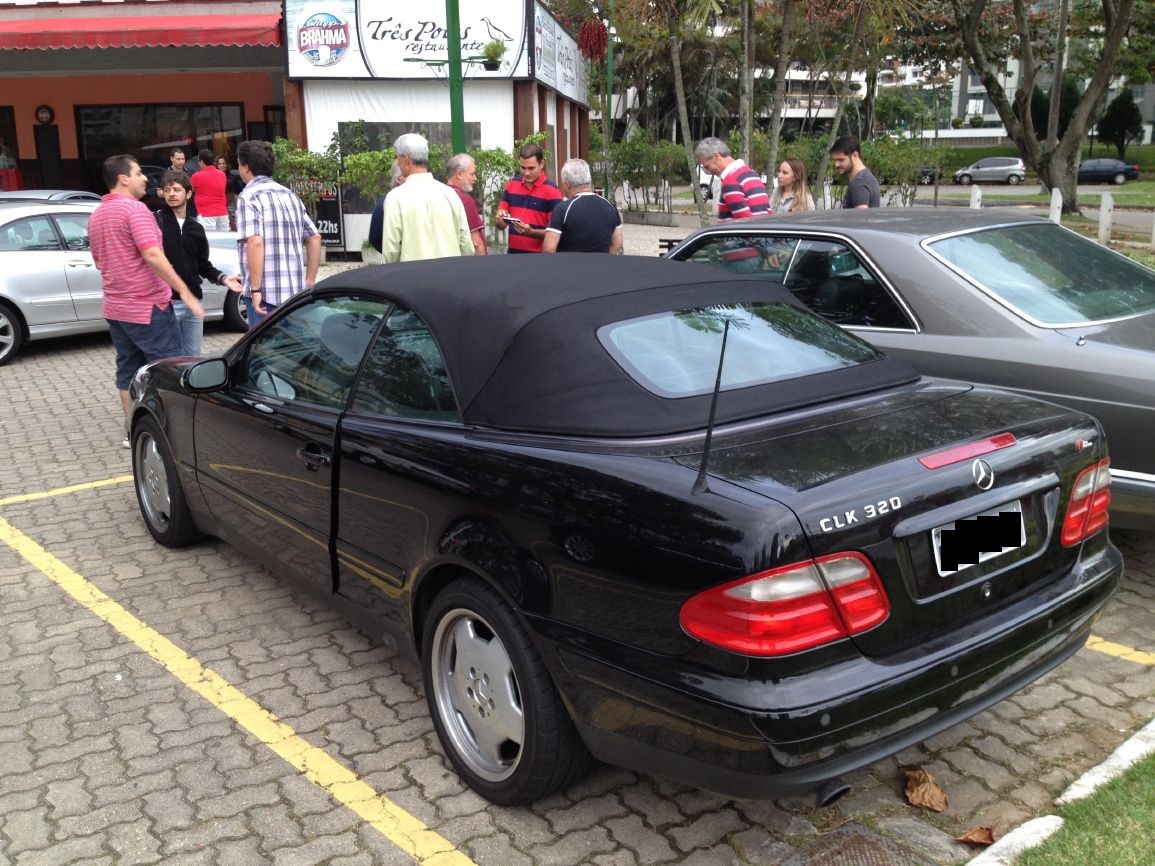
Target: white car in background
<point>49,284</point>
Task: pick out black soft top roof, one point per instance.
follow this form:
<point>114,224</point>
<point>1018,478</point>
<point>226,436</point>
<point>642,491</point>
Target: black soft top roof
<point>518,333</point>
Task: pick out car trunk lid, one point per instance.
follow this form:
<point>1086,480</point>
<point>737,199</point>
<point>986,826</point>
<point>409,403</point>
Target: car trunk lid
<point>957,502</point>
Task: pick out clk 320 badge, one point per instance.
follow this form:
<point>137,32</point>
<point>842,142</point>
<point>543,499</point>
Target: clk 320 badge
<point>869,512</point>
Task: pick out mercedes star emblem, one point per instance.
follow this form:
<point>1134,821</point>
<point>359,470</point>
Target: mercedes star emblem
<point>983,475</point>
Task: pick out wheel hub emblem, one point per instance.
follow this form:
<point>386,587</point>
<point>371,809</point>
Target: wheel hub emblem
<point>479,691</point>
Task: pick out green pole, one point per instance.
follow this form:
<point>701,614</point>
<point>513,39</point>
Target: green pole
<point>456,101</point>
<point>606,191</point>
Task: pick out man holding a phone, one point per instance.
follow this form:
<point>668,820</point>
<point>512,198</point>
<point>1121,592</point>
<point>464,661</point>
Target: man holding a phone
<point>527,202</point>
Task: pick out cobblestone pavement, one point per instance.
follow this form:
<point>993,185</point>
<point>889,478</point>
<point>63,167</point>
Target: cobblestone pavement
<point>107,758</point>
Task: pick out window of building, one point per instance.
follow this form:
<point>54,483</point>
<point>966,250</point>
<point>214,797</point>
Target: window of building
<point>150,132</point>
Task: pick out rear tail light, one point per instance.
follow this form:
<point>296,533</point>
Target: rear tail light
<point>789,609</point>
<point>1087,508</point>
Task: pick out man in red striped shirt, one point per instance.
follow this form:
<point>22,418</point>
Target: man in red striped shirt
<point>527,202</point>
<point>743,193</point>
<point>138,280</point>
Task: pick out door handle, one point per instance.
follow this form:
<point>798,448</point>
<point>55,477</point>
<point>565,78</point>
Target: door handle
<point>74,263</point>
<point>313,458</point>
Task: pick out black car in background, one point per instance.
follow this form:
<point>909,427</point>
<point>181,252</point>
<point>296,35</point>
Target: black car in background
<point>1107,171</point>
<point>640,510</point>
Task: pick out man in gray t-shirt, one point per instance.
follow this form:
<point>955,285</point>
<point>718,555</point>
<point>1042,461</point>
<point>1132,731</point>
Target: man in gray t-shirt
<point>861,185</point>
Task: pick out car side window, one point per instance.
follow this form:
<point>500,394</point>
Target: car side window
<point>760,255</point>
<point>29,235</point>
<point>74,227</point>
<point>831,279</point>
<point>405,374</point>
<point>312,353</point>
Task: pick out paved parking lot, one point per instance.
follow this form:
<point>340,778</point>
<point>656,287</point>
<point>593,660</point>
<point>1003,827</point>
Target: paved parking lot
<point>181,707</point>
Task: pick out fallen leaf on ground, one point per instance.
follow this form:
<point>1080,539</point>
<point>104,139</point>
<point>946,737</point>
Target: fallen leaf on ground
<point>922,791</point>
<point>978,836</point>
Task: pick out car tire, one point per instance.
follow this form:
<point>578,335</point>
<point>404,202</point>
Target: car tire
<point>707,193</point>
<point>1119,179</point>
<point>236,313</point>
<point>965,179</point>
<point>495,708</point>
<point>158,489</point>
<point>925,179</point>
<point>11,334</point>
<point>1014,180</point>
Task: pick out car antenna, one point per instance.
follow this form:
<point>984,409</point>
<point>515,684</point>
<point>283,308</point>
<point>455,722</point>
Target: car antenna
<point>700,485</point>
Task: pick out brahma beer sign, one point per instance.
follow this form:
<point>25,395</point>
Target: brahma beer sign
<point>373,39</point>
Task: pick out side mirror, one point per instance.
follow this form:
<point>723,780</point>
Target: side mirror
<point>208,375</point>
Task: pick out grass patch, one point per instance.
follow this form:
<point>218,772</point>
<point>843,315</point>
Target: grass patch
<point>1115,825</point>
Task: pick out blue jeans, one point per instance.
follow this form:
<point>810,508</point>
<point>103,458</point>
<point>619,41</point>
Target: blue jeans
<point>192,329</point>
<point>137,344</point>
<point>254,317</point>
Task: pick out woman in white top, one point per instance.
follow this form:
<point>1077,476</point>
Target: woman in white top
<point>791,194</point>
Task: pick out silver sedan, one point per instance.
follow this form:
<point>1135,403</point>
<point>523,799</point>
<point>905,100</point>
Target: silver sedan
<point>985,296</point>
<point>49,284</point>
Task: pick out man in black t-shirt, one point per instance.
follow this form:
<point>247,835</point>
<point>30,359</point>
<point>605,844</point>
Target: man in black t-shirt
<point>585,222</point>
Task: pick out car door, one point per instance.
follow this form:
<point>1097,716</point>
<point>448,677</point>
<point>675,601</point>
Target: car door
<point>826,274</point>
<point>265,446</point>
<point>32,271</point>
<point>403,456</point>
<point>84,283</point>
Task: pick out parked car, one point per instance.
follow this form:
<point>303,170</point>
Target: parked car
<point>49,195</point>
<point>993,169</point>
<point>709,183</point>
<point>1107,171</point>
<point>50,287</point>
<point>659,514</point>
<point>987,295</point>
<point>929,174</point>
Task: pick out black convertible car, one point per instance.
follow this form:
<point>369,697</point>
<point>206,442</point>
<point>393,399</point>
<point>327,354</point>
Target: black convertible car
<point>647,512</point>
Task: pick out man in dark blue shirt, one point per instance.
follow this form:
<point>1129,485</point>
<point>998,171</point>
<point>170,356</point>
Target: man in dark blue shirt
<point>585,222</point>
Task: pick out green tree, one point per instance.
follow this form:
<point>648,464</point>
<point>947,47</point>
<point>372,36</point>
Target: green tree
<point>1055,161</point>
<point>1122,123</point>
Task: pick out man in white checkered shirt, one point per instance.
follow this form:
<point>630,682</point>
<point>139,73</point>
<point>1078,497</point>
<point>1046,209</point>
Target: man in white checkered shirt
<point>272,224</point>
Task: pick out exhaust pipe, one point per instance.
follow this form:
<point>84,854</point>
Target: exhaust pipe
<point>829,792</point>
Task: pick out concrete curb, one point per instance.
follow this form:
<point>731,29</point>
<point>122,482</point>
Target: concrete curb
<point>1033,833</point>
<point>1138,746</point>
<point>1004,852</point>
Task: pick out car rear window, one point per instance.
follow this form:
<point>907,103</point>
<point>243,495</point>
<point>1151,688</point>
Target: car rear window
<point>1050,275</point>
<point>675,354</point>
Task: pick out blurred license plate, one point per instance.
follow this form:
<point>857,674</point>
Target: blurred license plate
<point>968,542</point>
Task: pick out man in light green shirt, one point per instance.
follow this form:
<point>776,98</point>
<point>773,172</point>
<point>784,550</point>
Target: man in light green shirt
<point>424,218</point>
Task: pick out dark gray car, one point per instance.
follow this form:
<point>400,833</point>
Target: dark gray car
<point>983,295</point>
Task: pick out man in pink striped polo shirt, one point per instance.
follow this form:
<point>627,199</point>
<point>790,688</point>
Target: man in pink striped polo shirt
<point>743,193</point>
<point>138,280</point>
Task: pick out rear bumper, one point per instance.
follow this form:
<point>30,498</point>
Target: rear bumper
<point>677,724</point>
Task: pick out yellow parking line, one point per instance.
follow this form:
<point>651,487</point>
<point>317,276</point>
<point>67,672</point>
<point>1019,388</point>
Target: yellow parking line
<point>60,491</point>
<point>1119,651</point>
<point>402,829</point>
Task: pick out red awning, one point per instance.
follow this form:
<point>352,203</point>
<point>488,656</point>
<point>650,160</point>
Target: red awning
<point>156,31</point>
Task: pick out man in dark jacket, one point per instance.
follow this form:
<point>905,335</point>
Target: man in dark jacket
<point>187,248</point>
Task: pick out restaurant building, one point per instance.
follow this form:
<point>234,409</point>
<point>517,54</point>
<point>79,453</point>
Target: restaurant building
<point>386,65</point>
<point>80,81</point>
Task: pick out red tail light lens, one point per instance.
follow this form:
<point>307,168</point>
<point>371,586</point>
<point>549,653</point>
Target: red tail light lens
<point>787,610</point>
<point>1087,508</point>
